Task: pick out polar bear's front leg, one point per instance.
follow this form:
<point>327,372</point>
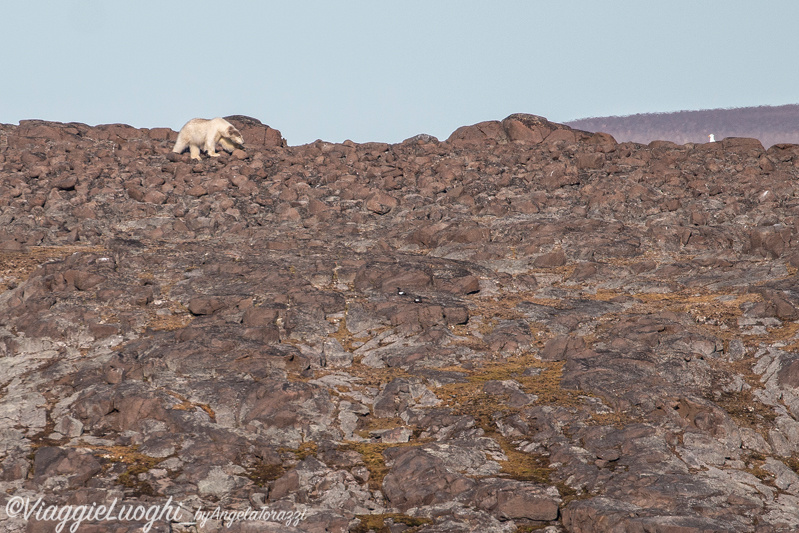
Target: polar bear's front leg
<point>210,145</point>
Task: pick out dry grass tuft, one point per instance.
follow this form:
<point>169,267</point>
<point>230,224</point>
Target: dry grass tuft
<point>377,523</point>
<point>187,405</point>
<point>16,267</point>
<point>262,473</point>
<point>169,322</point>
<point>372,454</point>
<point>345,337</point>
<point>468,398</point>
<point>138,463</point>
<point>522,466</point>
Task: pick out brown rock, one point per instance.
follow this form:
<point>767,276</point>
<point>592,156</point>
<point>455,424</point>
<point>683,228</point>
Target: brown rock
<point>206,305</point>
<point>583,271</point>
<point>428,235</point>
<point>550,260</point>
<point>162,134</point>
<point>742,143</point>
<point>316,207</point>
<point>561,135</point>
<point>154,197</point>
<point>101,331</point>
<point>83,280</point>
<point>513,500</point>
<point>66,183</point>
<point>217,185</point>
<point>788,374</point>
<point>517,131</point>
<point>255,133</point>
<point>40,128</point>
<point>769,241</point>
<point>12,245</point>
<point>13,469</point>
<point>197,191</point>
<point>558,175</point>
<point>259,317</point>
<point>381,203</point>
<point>783,308</point>
<point>391,278</point>
<point>55,461</point>
<point>590,161</point>
<point>765,164</point>
<point>561,348</point>
<point>456,315</point>
<point>117,132</point>
<point>286,212</point>
<point>604,141</point>
<point>285,485</point>
<point>467,233</point>
<point>489,131</point>
<point>430,315</point>
<point>134,191</point>
<point>85,212</point>
<point>458,286</point>
<point>417,478</point>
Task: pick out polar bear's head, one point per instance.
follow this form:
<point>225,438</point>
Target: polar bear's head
<point>234,136</point>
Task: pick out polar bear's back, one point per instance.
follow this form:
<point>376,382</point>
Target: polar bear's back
<point>196,130</point>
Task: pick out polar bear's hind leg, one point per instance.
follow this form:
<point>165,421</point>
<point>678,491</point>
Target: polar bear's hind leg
<point>180,146</point>
<point>194,150</point>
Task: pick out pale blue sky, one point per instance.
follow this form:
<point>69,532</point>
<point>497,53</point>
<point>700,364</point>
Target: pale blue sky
<point>375,70</point>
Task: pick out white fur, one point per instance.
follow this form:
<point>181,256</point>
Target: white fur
<point>203,134</point>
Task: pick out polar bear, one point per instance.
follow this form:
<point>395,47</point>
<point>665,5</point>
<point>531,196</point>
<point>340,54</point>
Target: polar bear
<point>203,134</point>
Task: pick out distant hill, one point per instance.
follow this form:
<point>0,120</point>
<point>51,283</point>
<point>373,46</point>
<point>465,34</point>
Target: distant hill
<point>770,124</point>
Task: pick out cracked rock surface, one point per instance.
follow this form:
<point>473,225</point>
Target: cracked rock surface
<point>524,327</point>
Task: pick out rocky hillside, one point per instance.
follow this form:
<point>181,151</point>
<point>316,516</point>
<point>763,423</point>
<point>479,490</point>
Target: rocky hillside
<point>524,327</point>
<point>769,124</point>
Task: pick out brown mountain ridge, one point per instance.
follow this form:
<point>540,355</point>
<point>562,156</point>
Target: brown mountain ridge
<point>769,124</point>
